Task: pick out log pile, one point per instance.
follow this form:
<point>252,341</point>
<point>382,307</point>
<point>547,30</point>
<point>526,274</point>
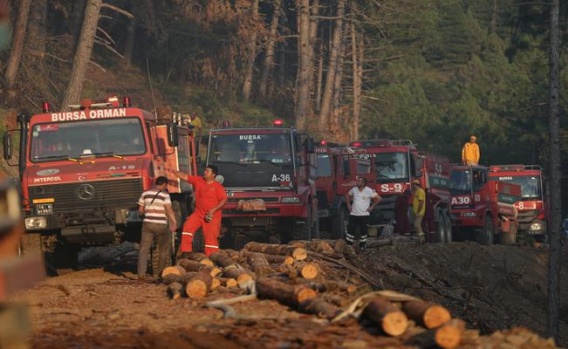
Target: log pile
<point>315,277</point>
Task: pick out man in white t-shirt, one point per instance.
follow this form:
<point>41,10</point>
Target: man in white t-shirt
<point>364,200</point>
<point>159,220</point>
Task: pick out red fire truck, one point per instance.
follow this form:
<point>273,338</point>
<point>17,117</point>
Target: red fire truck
<point>482,207</point>
<point>269,174</point>
<point>395,164</point>
<point>533,206</point>
<point>337,171</point>
<point>82,172</point>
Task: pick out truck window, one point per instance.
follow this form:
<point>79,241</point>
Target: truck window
<point>391,167</point>
<point>77,138</point>
<point>324,165</point>
<point>255,159</point>
<point>460,182</point>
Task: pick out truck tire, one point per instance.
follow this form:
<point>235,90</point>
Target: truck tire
<point>302,229</point>
<point>486,235</point>
<point>315,228</point>
<point>449,233</point>
<point>66,255</point>
<point>440,234</point>
<point>339,224</point>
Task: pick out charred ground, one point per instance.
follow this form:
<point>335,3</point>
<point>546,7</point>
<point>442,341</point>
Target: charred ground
<point>492,288</point>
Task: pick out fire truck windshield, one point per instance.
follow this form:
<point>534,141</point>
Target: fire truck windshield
<point>391,167</point>
<point>530,185</point>
<point>106,137</point>
<point>252,160</point>
<point>460,182</point>
<point>324,165</point>
<point>465,181</point>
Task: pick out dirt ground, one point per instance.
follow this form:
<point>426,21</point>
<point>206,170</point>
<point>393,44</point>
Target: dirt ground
<point>492,288</point>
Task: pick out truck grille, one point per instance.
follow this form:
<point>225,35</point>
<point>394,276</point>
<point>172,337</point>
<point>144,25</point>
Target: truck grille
<point>85,196</point>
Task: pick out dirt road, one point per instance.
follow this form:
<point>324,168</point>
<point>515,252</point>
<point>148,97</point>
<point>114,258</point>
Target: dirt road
<point>492,288</point>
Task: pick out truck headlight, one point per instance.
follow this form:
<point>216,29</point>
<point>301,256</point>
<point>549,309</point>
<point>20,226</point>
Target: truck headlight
<point>32,223</point>
<point>536,226</point>
<point>468,214</point>
<point>291,200</point>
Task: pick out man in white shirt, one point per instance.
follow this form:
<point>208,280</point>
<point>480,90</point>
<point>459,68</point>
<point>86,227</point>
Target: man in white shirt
<point>364,200</point>
<point>159,219</point>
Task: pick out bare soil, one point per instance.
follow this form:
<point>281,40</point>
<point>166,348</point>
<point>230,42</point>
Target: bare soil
<point>492,288</point>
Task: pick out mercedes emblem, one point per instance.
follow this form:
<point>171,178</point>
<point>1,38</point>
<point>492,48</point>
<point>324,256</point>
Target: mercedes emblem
<point>85,192</point>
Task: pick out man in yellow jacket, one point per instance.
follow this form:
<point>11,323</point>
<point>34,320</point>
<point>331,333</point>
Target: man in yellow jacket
<point>470,152</point>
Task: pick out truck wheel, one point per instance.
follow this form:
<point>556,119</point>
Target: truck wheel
<point>316,229</point>
<point>302,228</point>
<point>440,235</point>
<point>486,234</point>
<point>66,255</point>
<point>449,233</point>
<point>339,224</point>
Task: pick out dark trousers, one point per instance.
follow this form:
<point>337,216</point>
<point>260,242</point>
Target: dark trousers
<point>357,229</point>
<point>162,234</point>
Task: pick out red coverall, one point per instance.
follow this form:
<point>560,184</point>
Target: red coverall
<point>207,196</point>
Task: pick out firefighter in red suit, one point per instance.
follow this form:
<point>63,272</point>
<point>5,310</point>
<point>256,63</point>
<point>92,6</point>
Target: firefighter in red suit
<point>210,197</point>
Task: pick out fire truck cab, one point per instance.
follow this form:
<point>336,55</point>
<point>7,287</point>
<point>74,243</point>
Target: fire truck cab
<point>482,207</point>
<point>338,168</point>
<point>395,164</point>
<point>83,170</point>
<point>533,206</point>
<point>269,175</point>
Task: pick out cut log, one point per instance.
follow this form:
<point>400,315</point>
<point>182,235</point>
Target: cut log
<point>200,257</point>
<point>298,253</point>
<point>387,316</point>
<point>198,286</point>
<point>192,265</point>
<point>174,270</point>
<point>328,286</point>
<point>308,271</point>
<point>319,246</point>
<point>282,292</point>
<point>228,282</point>
<point>273,259</point>
<point>236,272</point>
<point>215,283</point>
<point>447,336</point>
<point>259,265</point>
<point>379,243</point>
<point>319,307</point>
<point>221,259</point>
<point>427,314</point>
<point>182,279</point>
<point>175,290</point>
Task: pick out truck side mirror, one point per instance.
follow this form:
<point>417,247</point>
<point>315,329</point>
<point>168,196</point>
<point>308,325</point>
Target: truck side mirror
<point>173,138</point>
<point>7,146</point>
<point>310,145</point>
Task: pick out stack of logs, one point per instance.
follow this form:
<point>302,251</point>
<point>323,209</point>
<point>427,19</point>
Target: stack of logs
<point>312,277</point>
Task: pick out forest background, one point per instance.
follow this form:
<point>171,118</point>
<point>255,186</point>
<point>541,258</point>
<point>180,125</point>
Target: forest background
<point>432,71</point>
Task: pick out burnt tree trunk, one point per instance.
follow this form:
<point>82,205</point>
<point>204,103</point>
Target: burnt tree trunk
<point>82,54</point>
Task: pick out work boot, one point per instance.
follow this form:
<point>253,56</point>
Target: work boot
<point>362,246</point>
